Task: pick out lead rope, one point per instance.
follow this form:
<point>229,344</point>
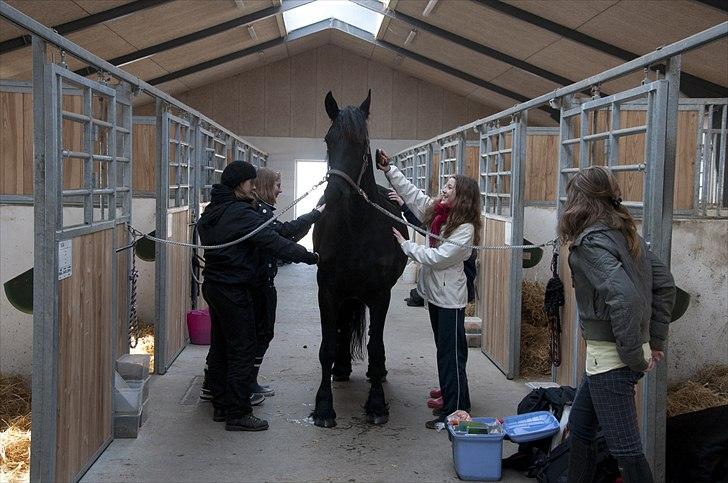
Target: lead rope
<point>553,300</point>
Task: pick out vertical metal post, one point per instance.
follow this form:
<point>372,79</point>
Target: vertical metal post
<point>45,260</point>
<point>160,251</point>
<point>699,153</point>
<point>655,386</point>
<point>613,142</point>
<point>518,186</point>
<point>721,201</point>
<point>460,154</point>
<point>88,163</point>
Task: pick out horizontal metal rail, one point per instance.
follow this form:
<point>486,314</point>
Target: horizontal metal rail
<point>36,28</point>
<point>676,48</point>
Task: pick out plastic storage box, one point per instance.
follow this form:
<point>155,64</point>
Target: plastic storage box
<point>478,456</point>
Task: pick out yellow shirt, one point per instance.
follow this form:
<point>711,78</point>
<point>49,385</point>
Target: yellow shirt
<point>602,356</point>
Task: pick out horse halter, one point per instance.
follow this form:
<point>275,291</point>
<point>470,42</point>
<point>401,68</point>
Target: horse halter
<point>365,162</point>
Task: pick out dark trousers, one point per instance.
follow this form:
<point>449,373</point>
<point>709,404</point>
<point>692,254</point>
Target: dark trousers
<point>265,300</point>
<point>232,346</point>
<point>448,327</point>
<point>607,400</point>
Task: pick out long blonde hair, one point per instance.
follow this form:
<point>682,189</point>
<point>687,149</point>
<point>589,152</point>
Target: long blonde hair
<point>265,185</point>
<point>593,195</point>
<point>465,208</point>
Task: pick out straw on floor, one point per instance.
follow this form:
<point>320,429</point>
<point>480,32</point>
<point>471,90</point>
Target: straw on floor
<point>15,425</point>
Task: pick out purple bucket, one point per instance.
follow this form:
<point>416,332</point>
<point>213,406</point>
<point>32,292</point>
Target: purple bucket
<point>198,326</point>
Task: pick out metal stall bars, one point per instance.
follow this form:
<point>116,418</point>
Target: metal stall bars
<point>82,142</point>
<point>502,161</point>
<point>710,197</point>
<point>452,153</point>
<point>212,157</point>
<point>406,162</point>
<point>246,152</point>
<point>423,158</point>
<point>172,273</point>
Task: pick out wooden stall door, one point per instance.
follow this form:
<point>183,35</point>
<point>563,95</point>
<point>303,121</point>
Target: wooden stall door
<point>178,287</point>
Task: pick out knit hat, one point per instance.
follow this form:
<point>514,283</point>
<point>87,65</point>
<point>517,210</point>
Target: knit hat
<point>237,172</point>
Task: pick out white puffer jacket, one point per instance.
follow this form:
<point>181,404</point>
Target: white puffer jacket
<point>442,279</point>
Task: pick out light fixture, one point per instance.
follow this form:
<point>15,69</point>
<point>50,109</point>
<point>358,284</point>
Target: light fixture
<point>134,60</point>
<point>429,8</point>
<point>397,60</point>
<point>240,3</point>
<point>252,33</point>
<point>410,37</point>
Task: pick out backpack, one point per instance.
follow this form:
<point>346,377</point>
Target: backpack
<point>554,467</point>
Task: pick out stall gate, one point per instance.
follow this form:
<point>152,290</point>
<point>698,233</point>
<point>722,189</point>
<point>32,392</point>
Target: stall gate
<point>243,152</point>
<point>82,200</point>
<point>172,268</point>
<point>502,159</point>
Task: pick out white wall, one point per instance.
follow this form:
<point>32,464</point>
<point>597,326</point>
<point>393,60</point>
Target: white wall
<point>16,256</point>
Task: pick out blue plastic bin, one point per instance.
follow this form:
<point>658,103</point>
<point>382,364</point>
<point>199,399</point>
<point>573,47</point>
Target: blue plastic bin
<point>478,456</point>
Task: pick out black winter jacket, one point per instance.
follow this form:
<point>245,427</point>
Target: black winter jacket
<point>619,298</point>
<point>227,218</point>
<point>293,230</point>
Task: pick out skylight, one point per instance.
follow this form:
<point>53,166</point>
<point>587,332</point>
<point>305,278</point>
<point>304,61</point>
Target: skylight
<point>343,10</point>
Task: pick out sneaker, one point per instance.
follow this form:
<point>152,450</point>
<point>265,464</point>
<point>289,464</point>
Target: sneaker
<point>219,415</point>
<point>205,393</point>
<point>246,423</point>
<point>431,423</point>
<point>435,403</point>
<point>263,389</point>
<point>435,393</point>
<point>256,399</point>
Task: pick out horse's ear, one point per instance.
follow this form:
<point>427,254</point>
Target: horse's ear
<point>332,108</point>
<point>365,105</point>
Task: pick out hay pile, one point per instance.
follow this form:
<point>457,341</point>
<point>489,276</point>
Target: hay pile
<point>706,389</point>
<point>145,345</point>
<point>534,357</point>
<point>15,422</point>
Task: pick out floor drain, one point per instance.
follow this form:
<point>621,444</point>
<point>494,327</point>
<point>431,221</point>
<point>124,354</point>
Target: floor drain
<point>192,394</point>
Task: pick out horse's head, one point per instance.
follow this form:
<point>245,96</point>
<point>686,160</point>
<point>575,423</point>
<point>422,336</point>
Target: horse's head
<point>347,145</point>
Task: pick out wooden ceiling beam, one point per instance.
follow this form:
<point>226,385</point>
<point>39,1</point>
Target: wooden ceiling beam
<point>690,85</point>
<point>85,22</point>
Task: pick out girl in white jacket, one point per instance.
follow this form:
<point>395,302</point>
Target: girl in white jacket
<point>455,216</point>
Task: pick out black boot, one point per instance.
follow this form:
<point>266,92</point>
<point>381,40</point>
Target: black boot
<point>582,461</point>
<point>246,423</point>
<point>635,469</point>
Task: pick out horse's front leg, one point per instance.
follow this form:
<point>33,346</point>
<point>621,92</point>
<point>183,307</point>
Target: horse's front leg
<point>376,406</point>
<point>323,414</point>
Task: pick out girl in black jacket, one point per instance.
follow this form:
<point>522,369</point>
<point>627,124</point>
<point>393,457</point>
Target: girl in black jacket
<point>267,189</point>
<point>230,275</point>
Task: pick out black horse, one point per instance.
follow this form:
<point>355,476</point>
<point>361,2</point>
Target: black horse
<point>359,263</point>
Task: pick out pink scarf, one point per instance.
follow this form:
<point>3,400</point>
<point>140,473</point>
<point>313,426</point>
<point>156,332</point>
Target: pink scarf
<point>441,213</point>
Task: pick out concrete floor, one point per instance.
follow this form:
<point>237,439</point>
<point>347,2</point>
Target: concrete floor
<point>180,442</point>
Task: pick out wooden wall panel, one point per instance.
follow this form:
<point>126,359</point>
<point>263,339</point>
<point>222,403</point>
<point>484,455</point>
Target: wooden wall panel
<point>454,111</point>
<point>144,157</point>
<point>429,110</point>
<point>178,287</point>
<point>354,79</point>
<point>85,354</point>
<point>278,99</point>
<point>251,103</point>
<point>687,126</point>
<point>542,159</point>
<point>568,320</point>
<point>225,95</point>
<point>381,82</point>
<point>494,279</point>
<point>435,175</point>
<point>122,292</point>
<point>16,139</point>
<point>404,106</point>
<point>472,162</point>
<point>303,95</point>
<point>328,78</point>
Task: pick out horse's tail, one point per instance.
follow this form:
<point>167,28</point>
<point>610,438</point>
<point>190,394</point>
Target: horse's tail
<point>353,314</point>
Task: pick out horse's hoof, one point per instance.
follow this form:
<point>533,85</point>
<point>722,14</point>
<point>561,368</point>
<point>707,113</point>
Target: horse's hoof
<point>324,422</point>
<point>374,419</point>
<point>340,377</point>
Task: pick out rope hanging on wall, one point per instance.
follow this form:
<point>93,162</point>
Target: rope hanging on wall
<point>553,300</point>
<point>133,317</point>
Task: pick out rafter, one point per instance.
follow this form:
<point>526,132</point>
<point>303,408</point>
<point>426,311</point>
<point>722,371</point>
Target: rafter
<point>85,22</point>
<point>690,85</point>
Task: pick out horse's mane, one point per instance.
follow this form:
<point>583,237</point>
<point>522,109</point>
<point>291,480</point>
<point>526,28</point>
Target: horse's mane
<point>350,124</point>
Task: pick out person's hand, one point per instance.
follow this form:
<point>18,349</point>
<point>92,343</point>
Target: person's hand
<point>318,257</point>
<point>382,161</point>
<point>397,235</point>
<point>393,196</point>
<point>657,356</point>
<point>650,365</point>
<point>320,208</point>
